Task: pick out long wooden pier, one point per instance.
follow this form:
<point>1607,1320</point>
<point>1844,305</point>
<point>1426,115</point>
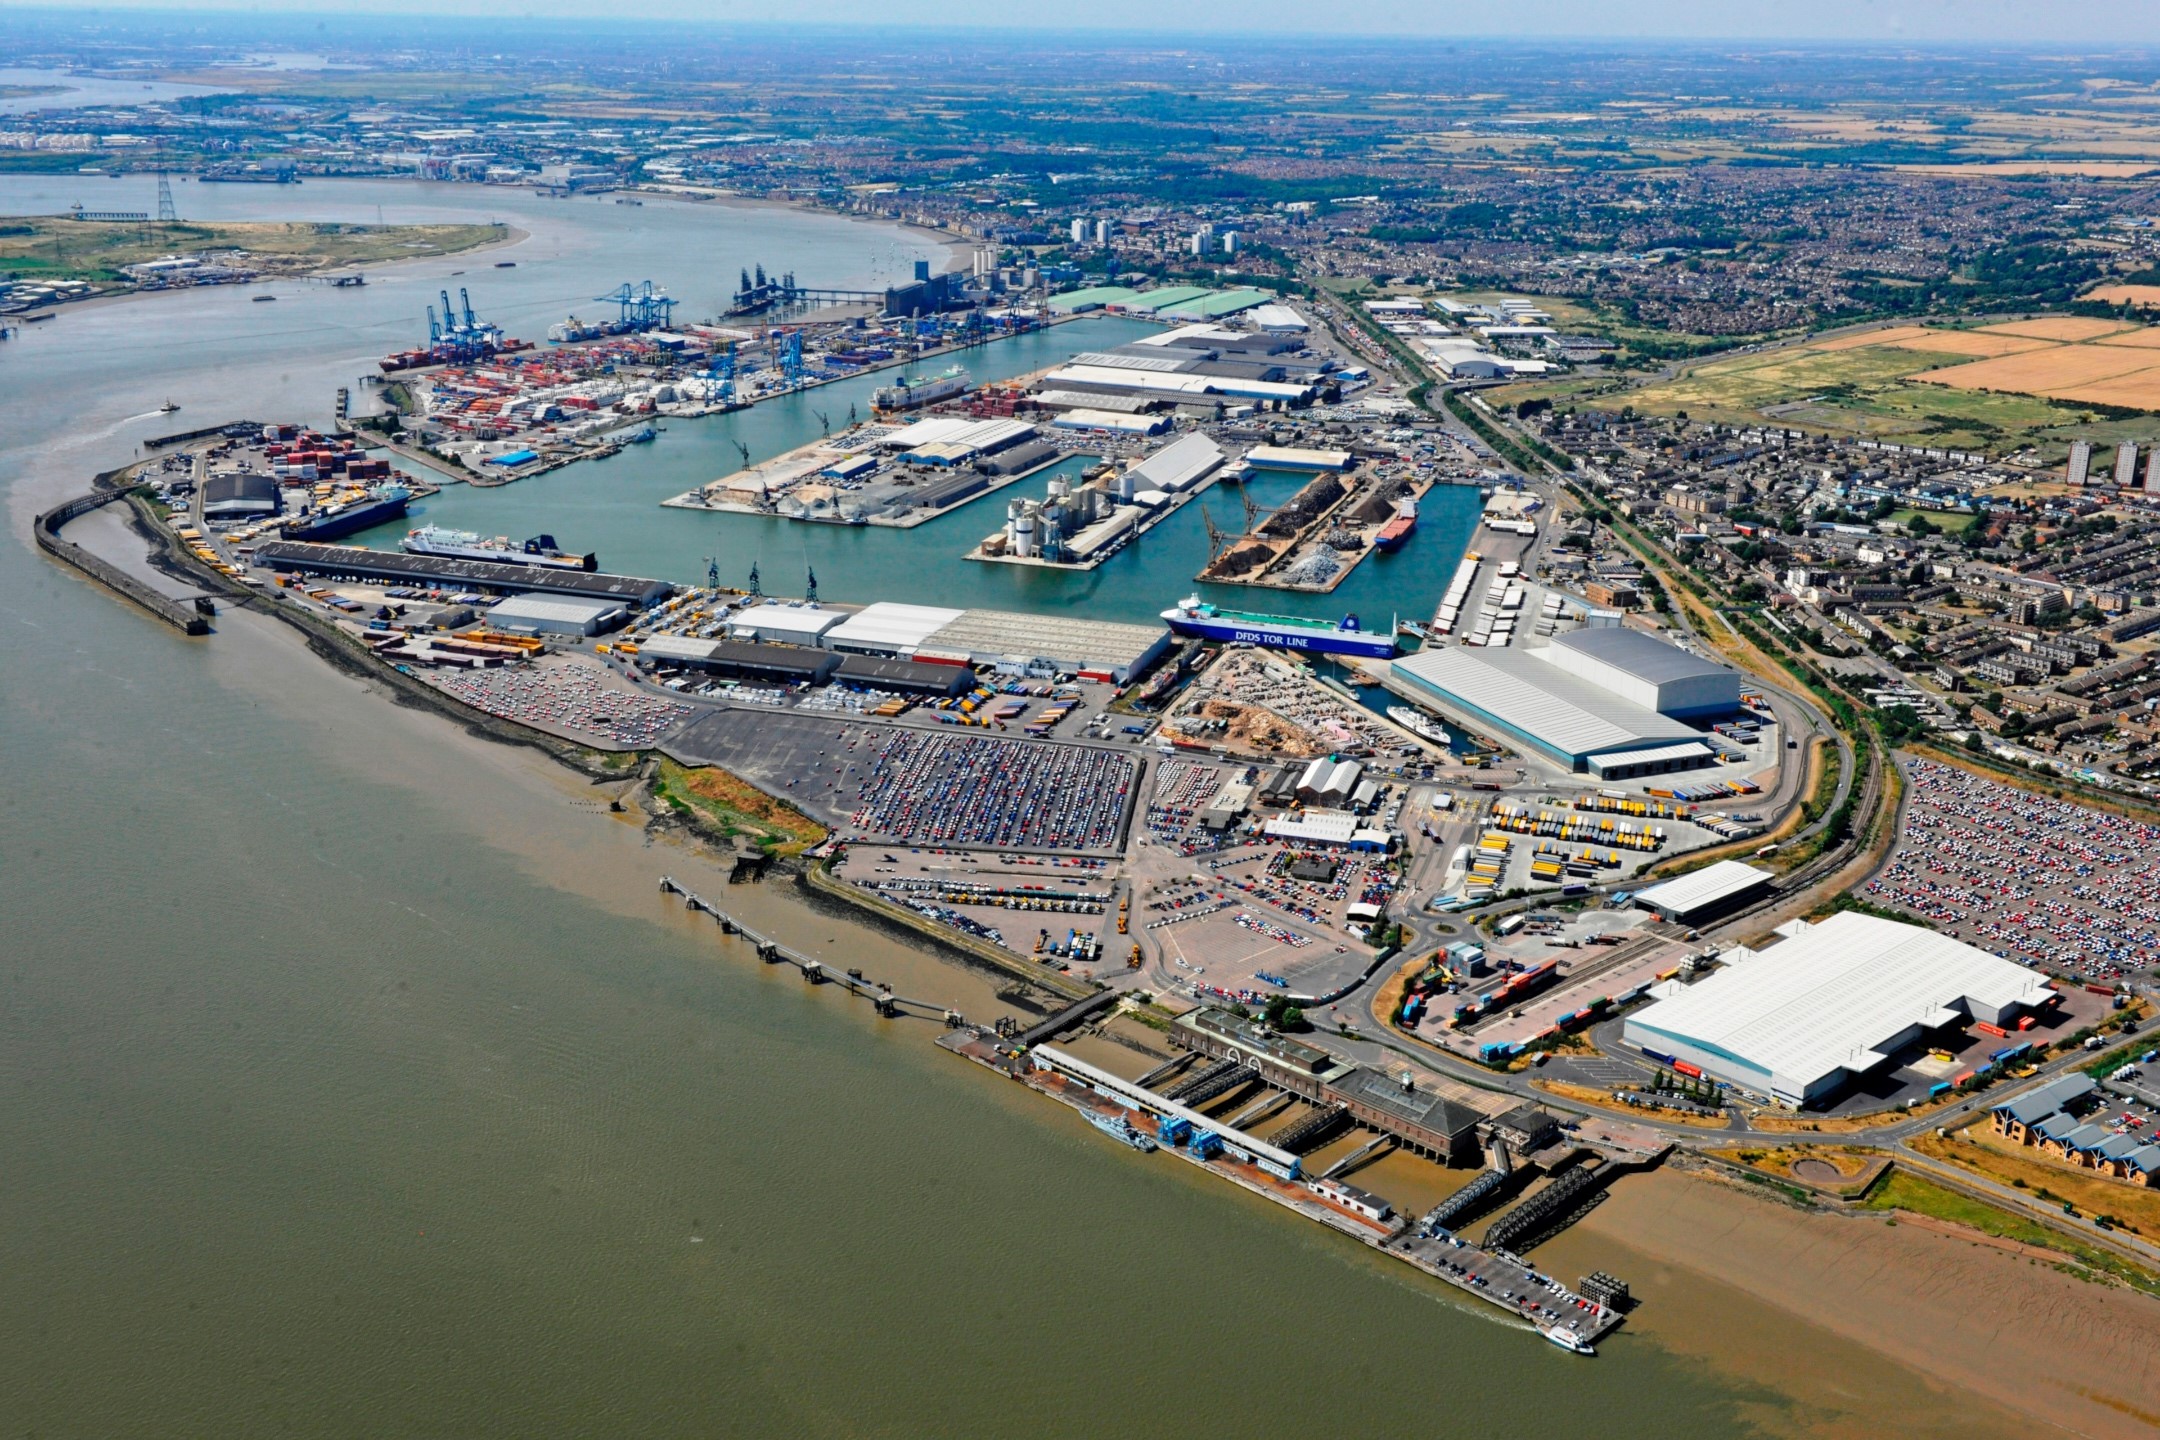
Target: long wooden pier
<point>817,972</point>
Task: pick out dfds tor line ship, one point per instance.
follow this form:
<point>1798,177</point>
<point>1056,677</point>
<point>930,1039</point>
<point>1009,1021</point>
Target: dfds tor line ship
<point>465,545</point>
<point>915,391</point>
<point>1277,632</point>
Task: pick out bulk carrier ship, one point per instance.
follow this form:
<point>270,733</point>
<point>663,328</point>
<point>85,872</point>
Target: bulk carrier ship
<point>1277,632</point>
<point>1397,530</point>
<point>465,545</point>
<point>915,390</point>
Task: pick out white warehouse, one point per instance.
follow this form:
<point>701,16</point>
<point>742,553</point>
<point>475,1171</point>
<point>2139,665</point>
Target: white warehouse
<point>1804,1018</point>
<point>1646,671</point>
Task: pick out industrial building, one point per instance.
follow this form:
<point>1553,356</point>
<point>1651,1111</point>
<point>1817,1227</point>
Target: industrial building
<point>1543,708</point>
<point>1837,1000</point>
<point>1646,671</point>
<point>556,615</point>
<point>1329,827</point>
<point>1704,894</point>
<point>1021,644</point>
<point>871,672</point>
<point>773,664</point>
<point>239,495</point>
<point>1007,641</point>
<point>1287,1064</point>
<point>443,573</point>
<point>889,628</point>
<point>1180,465</point>
<point>784,623</point>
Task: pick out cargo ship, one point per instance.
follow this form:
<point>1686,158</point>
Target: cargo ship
<point>1397,530</point>
<point>1277,632</point>
<point>465,545</point>
<point>333,522</point>
<point>1117,1127</point>
<point>918,390</point>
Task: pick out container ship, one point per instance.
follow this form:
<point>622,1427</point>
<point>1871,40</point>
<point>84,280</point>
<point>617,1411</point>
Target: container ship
<point>335,521</point>
<point>914,391</point>
<point>465,545</point>
<point>1277,632</point>
<point>1397,530</point>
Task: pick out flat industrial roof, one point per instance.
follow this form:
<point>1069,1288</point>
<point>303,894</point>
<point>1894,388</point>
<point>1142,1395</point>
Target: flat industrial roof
<point>1644,656</point>
<point>1167,295</point>
<point>1539,700</point>
<point>782,619</point>
<point>1184,460</point>
<point>1069,640</point>
<point>1220,302</point>
<point>789,660</point>
<point>888,625</point>
<point>1682,750</point>
<point>448,573</point>
<point>1093,295</point>
<point>1825,1000</point>
<point>1701,889</point>
<point>553,607</point>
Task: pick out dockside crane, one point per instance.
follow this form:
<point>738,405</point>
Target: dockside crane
<point>1217,542</point>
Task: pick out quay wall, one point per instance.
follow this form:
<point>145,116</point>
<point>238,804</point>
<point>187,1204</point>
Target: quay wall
<point>189,619</point>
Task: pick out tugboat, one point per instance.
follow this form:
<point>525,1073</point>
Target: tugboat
<point>167,408</point>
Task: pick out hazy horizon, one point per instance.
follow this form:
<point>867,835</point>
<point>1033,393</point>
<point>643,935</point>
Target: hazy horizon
<point>1985,22</point>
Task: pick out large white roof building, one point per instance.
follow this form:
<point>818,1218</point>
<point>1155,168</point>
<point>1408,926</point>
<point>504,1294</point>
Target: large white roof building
<point>1543,708</point>
<point>1801,1019</point>
<point>1646,671</point>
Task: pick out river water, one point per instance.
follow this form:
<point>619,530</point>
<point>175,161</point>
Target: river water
<point>358,1083</point>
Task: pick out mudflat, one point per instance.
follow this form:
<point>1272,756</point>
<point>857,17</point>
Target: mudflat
<point>1991,1340</point>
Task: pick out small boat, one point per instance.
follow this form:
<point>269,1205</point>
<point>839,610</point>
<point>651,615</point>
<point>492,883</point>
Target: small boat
<point>506,264</point>
<point>1417,722</point>
<point>260,299</point>
<point>1567,1339</point>
<point>167,408</point>
<point>1117,1127</point>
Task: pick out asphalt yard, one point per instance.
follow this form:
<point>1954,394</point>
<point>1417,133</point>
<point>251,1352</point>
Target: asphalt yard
<point>886,783</point>
<point>566,698</point>
<point>2073,890</point>
<point>1224,942</point>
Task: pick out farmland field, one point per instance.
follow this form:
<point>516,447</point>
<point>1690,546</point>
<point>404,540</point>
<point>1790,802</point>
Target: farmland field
<point>2016,388</point>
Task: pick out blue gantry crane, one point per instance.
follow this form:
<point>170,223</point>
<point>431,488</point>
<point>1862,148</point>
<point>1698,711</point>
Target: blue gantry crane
<point>640,306</point>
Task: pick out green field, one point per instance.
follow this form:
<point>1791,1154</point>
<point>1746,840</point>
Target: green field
<point>1864,392</point>
<point>1944,520</point>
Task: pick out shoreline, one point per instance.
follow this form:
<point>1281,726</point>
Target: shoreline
<point>1946,1305</point>
<point>1665,1219</point>
<point>62,308</point>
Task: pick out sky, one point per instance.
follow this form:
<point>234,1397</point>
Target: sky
<point>2042,22</point>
